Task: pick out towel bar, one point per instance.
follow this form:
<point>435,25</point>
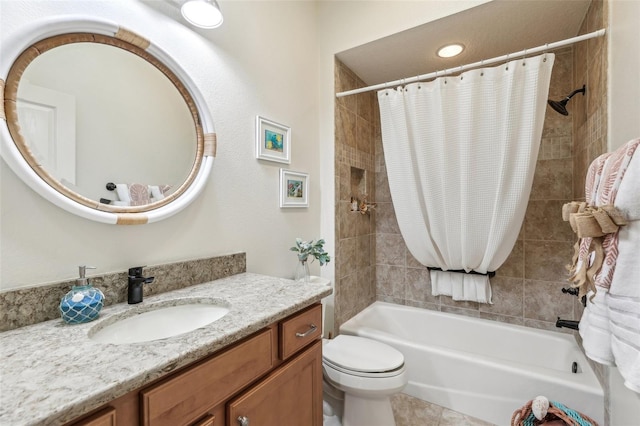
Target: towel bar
<point>462,271</point>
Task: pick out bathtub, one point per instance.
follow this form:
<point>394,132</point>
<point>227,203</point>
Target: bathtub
<point>485,369</point>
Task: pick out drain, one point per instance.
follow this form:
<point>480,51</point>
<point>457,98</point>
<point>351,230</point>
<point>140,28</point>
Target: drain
<point>574,367</point>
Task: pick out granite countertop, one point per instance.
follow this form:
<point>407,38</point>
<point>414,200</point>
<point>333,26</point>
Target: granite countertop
<point>52,372</point>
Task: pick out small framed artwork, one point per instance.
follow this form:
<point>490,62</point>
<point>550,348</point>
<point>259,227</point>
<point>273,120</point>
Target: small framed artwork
<point>273,141</point>
<point>294,189</point>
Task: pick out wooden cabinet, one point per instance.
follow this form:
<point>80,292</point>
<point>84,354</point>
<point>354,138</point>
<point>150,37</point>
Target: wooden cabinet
<point>273,377</point>
<point>291,395</point>
<point>183,399</point>
<point>104,417</point>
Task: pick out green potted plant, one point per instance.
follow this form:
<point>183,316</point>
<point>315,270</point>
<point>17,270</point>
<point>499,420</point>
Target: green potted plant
<point>306,250</point>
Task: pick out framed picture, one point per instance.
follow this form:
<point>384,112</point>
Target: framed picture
<point>273,141</point>
<point>294,189</point>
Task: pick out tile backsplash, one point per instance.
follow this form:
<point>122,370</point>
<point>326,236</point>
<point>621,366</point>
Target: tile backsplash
<point>26,306</point>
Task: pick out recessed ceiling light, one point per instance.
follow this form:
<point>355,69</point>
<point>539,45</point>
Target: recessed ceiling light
<point>450,50</point>
<point>202,13</point>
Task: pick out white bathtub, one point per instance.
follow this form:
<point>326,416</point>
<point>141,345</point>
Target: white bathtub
<point>482,368</point>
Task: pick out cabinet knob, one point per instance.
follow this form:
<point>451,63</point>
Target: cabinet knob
<point>243,421</point>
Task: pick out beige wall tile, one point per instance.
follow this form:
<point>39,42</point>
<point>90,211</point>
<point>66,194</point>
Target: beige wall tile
<point>546,260</point>
<point>390,281</point>
<point>552,180</point>
<point>507,297</point>
<point>543,221</point>
<point>544,301</point>
<point>390,250</point>
<point>418,286</point>
<point>514,265</point>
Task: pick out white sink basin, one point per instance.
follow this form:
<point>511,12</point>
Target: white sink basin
<point>158,323</point>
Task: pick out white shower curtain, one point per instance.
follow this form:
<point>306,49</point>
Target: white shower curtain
<point>460,154</point>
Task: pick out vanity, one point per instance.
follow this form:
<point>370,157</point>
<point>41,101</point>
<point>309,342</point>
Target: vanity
<point>259,364</point>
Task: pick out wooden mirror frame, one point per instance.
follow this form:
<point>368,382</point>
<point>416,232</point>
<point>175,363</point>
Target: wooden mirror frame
<point>44,36</point>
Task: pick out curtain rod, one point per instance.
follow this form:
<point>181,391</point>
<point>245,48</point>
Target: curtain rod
<point>448,71</point>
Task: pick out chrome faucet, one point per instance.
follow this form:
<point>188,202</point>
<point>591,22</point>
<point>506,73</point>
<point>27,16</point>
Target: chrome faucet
<point>135,282</point>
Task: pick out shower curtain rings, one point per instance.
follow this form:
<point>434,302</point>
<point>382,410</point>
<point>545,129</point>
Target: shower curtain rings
<point>524,58</point>
<point>481,67</point>
<point>544,58</point>
<point>507,68</point>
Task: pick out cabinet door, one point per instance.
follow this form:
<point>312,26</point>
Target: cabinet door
<point>106,417</point>
<point>291,395</point>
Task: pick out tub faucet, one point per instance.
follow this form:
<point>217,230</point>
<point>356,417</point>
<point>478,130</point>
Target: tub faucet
<point>567,324</point>
<point>135,282</point>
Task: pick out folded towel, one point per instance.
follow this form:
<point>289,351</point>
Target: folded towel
<point>122,189</point>
<point>156,193</point>
<point>460,286</point>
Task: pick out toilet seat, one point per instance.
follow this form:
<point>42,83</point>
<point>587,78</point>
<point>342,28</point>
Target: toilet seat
<point>362,357</point>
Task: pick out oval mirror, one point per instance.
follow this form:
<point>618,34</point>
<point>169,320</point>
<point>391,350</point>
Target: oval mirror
<point>105,125</point>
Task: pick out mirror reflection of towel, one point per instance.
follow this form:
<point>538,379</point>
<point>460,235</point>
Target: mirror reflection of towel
<point>137,194</point>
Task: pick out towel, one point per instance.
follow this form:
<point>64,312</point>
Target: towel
<point>137,194</point>
<point>624,292</point>
<point>610,324</point>
<point>122,189</point>
<point>596,222</point>
<point>461,286</point>
<point>595,330</point>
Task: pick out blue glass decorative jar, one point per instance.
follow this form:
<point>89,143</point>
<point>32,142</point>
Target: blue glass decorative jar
<point>83,302</point>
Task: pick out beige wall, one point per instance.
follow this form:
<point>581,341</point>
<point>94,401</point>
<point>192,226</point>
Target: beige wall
<point>623,69</point>
<point>244,69</point>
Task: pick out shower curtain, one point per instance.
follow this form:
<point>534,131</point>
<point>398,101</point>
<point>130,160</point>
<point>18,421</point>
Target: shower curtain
<point>460,154</point>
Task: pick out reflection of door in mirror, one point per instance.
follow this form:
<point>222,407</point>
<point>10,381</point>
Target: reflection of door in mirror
<point>132,125</point>
<point>48,121</point>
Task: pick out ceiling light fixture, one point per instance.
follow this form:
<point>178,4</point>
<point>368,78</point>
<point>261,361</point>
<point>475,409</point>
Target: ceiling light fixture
<point>450,50</point>
<point>202,13</point>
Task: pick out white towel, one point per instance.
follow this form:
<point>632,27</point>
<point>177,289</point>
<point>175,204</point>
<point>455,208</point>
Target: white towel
<point>624,293</point>
<point>156,193</point>
<point>122,189</point>
<point>460,286</point>
<point>595,330</point>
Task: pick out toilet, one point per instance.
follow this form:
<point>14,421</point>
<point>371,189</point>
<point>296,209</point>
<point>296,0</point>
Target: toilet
<point>360,375</point>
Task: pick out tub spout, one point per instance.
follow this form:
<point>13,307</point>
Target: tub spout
<point>567,324</point>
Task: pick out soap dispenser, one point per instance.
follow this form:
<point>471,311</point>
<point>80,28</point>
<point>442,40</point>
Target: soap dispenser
<point>83,302</point>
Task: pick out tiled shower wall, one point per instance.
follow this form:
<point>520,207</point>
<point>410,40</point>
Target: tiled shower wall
<point>356,129</point>
<point>527,288</point>
<point>590,121</point>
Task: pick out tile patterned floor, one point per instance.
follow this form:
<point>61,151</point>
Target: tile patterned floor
<point>409,411</point>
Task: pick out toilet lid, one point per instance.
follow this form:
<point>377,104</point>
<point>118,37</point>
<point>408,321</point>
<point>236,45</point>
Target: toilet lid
<point>361,354</point>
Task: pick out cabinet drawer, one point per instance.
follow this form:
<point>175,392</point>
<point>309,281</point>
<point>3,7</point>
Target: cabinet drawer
<point>299,330</point>
<point>186,397</point>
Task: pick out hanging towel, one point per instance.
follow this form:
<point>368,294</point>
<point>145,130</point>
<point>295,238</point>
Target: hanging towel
<point>596,221</point>
<point>610,324</point>
<point>595,330</point>
<point>460,286</point>
<point>624,292</point>
<point>137,194</point>
<point>122,189</point>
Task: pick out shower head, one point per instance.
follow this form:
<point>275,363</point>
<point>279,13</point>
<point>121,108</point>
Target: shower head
<point>561,106</point>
